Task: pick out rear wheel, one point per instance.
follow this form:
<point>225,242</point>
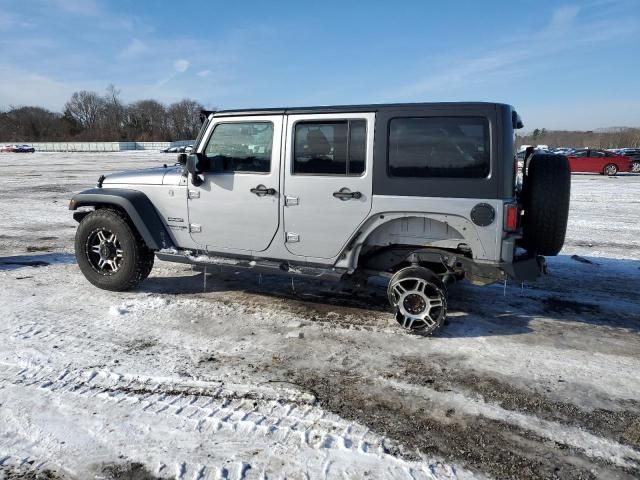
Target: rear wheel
<point>110,253</point>
<point>610,169</point>
<point>635,166</point>
<point>419,299</point>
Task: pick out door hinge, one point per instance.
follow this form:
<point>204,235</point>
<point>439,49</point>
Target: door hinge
<point>292,237</point>
<point>290,201</point>
<point>195,228</point>
<point>194,194</point>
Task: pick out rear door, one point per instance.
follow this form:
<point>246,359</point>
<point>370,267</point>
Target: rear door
<point>237,205</point>
<point>327,181</point>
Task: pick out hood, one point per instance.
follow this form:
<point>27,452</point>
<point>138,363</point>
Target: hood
<point>147,176</point>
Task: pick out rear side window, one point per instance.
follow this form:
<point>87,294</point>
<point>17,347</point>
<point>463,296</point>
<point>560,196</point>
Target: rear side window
<point>441,147</point>
<point>330,148</point>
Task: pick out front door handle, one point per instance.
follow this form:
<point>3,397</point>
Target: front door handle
<point>261,191</point>
<point>345,194</point>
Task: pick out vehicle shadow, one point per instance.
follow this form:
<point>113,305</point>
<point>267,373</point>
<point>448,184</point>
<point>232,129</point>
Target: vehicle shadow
<point>39,260</point>
<point>317,294</point>
<point>578,290</point>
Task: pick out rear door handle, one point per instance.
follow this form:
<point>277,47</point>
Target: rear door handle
<point>346,194</point>
<point>261,191</point>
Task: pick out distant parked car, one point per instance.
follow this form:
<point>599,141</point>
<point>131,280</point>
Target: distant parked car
<point>634,155</point>
<point>173,150</point>
<point>188,149</point>
<point>630,152</point>
<point>180,149</point>
<point>7,148</point>
<point>598,161</point>
<point>563,151</point>
<point>23,149</point>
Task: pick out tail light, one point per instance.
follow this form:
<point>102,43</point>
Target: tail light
<point>511,215</point>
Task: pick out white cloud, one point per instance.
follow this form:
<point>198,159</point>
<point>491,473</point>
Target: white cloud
<point>78,7</point>
<point>181,65</point>
<point>11,21</point>
<point>514,57</point>
<point>19,87</point>
<point>563,17</point>
<point>135,49</point>
<point>204,73</point>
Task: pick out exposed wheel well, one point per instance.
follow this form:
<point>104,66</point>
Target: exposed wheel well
<point>449,265</point>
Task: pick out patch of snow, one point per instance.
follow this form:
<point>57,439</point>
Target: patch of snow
<point>117,310</point>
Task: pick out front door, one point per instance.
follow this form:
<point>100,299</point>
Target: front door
<point>328,181</point>
<point>579,161</point>
<point>237,205</point>
<point>597,161</point>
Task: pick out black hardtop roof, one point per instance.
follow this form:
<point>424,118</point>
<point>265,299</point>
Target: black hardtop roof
<point>374,107</point>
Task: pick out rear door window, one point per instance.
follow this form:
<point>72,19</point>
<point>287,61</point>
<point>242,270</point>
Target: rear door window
<point>440,147</point>
<point>330,148</point>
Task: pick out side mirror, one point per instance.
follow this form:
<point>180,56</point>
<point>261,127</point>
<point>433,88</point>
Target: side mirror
<point>182,159</point>
<point>196,164</point>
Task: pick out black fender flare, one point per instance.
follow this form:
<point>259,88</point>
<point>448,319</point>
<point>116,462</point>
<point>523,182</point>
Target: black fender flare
<point>138,207</point>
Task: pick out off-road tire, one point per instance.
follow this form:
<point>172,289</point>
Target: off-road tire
<point>546,191</point>
<point>433,285</point>
<point>610,170</point>
<point>137,258</point>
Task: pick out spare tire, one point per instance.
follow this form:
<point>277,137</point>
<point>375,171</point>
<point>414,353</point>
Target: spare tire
<point>546,190</point>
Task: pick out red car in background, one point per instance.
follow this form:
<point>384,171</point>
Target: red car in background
<point>598,161</point>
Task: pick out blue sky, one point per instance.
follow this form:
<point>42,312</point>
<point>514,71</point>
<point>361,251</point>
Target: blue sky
<point>569,65</point>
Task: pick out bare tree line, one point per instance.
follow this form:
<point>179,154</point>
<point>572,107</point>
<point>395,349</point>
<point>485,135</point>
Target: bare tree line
<point>610,138</point>
<point>89,116</point>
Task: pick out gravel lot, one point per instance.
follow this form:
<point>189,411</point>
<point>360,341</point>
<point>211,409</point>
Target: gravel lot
<point>257,378</point>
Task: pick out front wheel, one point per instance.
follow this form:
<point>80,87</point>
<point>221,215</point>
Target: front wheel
<point>419,299</point>
<point>635,166</point>
<point>110,253</point>
<point>610,170</point>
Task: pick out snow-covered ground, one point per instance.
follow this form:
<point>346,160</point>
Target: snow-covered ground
<point>257,378</point>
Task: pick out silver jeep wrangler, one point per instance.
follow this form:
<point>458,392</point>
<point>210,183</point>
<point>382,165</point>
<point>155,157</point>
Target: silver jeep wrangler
<point>424,194</point>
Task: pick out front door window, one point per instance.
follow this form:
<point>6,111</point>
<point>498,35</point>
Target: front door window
<point>241,147</point>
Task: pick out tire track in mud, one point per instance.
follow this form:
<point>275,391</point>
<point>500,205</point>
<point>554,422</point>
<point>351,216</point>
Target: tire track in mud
<point>621,425</point>
<point>481,436</point>
<point>283,416</point>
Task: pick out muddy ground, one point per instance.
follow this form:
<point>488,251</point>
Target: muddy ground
<point>258,377</point>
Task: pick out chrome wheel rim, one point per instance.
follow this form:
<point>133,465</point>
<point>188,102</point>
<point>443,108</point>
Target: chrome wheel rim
<point>611,170</point>
<point>419,303</point>
<point>104,251</point>
<point>635,167</point>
